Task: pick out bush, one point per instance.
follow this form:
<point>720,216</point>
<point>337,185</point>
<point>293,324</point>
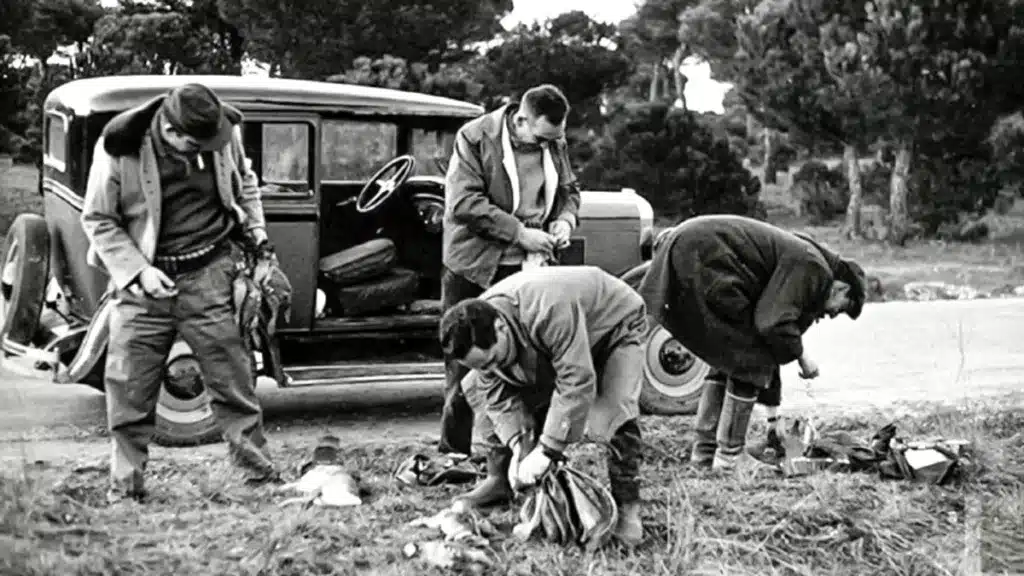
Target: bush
<point>823,193</point>
<point>673,161</point>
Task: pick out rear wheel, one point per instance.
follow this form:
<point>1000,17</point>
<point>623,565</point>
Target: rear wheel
<point>24,272</point>
<point>673,376</point>
<point>183,413</point>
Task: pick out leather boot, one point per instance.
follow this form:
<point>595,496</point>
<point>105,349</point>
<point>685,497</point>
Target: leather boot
<point>494,489</point>
<point>732,431</point>
<point>708,413</point>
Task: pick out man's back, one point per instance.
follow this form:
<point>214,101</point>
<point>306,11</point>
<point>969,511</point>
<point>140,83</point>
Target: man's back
<point>557,292</point>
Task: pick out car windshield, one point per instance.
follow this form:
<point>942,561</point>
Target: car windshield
<point>353,150</point>
<point>432,150</point>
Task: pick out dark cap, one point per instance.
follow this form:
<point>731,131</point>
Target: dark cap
<point>194,109</point>
<point>851,273</point>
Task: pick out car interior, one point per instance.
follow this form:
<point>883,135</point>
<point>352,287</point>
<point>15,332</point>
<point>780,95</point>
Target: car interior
<point>380,209</point>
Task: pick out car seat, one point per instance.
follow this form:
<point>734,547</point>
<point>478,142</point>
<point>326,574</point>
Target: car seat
<point>364,279</point>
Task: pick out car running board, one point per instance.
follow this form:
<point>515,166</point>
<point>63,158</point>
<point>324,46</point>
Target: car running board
<point>363,373</point>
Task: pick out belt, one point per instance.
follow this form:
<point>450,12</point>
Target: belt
<point>177,264</point>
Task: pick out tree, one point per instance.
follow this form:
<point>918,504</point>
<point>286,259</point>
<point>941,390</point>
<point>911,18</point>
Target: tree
<point>167,37</point>
<point>938,74</point>
<point>572,51</point>
<point>301,39</point>
<point>450,80</point>
<point>651,36</point>
<point>674,162</point>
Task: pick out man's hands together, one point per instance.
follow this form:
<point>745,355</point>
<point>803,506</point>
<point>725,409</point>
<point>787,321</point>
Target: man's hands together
<point>529,470</point>
<point>533,240</point>
<point>562,231</point>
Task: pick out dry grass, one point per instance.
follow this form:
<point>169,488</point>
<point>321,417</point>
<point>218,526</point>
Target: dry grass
<point>19,193</point>
<point>201,519</point>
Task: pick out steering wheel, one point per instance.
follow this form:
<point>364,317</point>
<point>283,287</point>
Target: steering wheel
<point>387,180</point>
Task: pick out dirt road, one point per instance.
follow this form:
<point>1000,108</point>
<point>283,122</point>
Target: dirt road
<point>897,352</point>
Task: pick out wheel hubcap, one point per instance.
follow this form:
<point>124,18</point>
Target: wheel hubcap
<point>183,379</point>
<point>675,359</point>
<point>670,368</point>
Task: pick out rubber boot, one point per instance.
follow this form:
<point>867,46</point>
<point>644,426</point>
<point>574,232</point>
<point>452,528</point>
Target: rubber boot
<point>708,412</point>
<point>732,431</point>
<point>629,529</point>
<point>494,489</point>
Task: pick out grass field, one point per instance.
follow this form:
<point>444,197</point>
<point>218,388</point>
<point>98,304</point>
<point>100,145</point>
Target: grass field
<point>201,519</point>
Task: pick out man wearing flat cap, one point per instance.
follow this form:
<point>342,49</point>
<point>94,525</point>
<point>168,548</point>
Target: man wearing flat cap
<point>740,294</point>
<point>170,206</point>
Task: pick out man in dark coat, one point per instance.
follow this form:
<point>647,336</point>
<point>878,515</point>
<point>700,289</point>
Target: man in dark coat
<point>740,293</point>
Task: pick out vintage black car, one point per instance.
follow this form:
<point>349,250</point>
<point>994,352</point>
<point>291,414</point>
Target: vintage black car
<point>353,189</point>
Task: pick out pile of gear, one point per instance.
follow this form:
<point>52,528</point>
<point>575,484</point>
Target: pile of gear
<point>885,453</point>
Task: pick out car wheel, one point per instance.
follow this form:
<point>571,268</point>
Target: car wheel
<point>183,413</point>
<point>673,376</point>
<point>24,272</point>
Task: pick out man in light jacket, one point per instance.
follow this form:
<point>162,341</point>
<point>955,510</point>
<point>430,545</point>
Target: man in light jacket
<point>169,191</point>
<point>740,293</point>
<point>554,352</point>
<point>510,198</point>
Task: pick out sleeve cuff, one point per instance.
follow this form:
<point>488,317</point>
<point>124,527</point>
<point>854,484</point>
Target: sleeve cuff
<point>570,218</point>
<point>553,443</point>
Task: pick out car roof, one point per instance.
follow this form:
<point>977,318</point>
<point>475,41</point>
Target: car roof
<point>117,93</point>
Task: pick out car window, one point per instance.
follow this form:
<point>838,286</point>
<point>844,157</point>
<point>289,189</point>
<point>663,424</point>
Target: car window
<point>279,153</point>
<point>432,150</point>
<point>55,155</point>
<point>356,149</point>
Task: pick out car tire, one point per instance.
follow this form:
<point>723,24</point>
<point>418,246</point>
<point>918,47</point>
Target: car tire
<point>24,273</point>
<point>183,413</point>
<point>398,287</point>
<point>360,263</point>
<point>673,376</point>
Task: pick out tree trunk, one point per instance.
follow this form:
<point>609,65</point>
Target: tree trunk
<point>652,94</point>
<point>751,128</point>
<point>678,76</point>
<point>899,220</point>
<point>853,229</point>
<point>769,163</point>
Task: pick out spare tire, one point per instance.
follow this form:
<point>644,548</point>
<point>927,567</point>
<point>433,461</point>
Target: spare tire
<point>396,288</point>
<point>360,263</point>
<point>24,272</point>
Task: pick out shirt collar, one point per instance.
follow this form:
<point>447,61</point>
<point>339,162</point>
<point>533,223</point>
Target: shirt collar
<point>517,144</point>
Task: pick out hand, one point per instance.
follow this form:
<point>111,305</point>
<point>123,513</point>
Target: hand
<point>533,240</point>
<point>808,368</point>
<point>154,283</point>
<point>532,467</point>
<point>561,230</point>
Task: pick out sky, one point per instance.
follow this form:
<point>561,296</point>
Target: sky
<point>703,94</point>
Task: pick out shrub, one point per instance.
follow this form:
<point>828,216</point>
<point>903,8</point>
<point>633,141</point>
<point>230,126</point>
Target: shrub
<point>823,193</point>
<point>673,161</point>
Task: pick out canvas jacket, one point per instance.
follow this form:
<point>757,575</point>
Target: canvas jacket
<point>481,198</point>
<point>564,320</point>
<point>738,293</point>
<point>121,212</point>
